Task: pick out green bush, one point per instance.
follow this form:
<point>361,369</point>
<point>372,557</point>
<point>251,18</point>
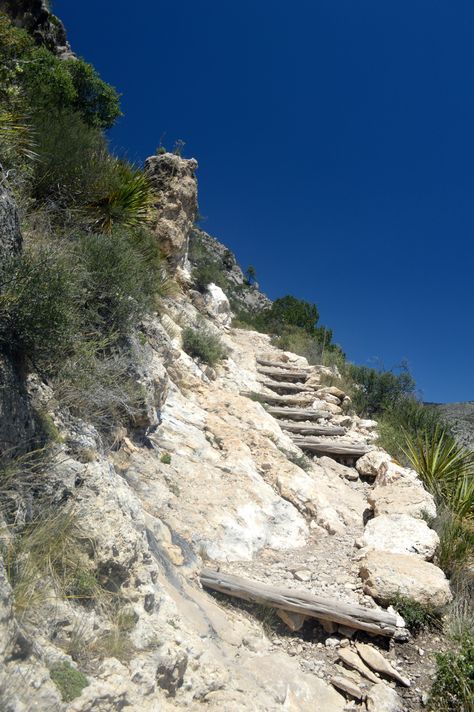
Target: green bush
<point>39,306</point>
<point>97,101</point>
<point>203,344</point>
<point>128,201</point>
<point>68,680</point>
<point>407,416</point>
<point>377,390</point>
<point>207,273</point>
<point>122,274</point>
<point>290,311</point>
<point>165,458</point>
<point>453,688</point>
<point>416,615</point>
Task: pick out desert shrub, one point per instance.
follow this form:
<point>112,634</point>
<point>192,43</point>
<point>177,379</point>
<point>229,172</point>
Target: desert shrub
<point>453,688</point>
<point>97,383</point>
<point>417,616</point>
<point>47,555</point>
<point>408,416</point>
<point>38,306</point>
<point>97,101</point>
<point>122,275</point>
<point>379,390</point>
<point>165,458</point>
<point>456,545</point>
<point>69,681</point>
<point>207,273</point>
<point>128,201</point>
<point>290,311</point>
<point>203,344</point>
<point>446,468</point>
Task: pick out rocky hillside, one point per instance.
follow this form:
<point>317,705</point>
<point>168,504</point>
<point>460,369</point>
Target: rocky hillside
<point>203,522</point>
<point>460,416</point>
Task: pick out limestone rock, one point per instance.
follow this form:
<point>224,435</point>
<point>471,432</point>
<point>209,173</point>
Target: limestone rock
<point>217,304</point>
<point>352,660</point>
<point>385,575</point>
<point>174,179</point>
<point>400,534</point>
<point>347,473</point>
<point>402,497</point>
<point>348,686</point>
<point>369,464</point>
<point>383,698</point>
<point>376,661</point>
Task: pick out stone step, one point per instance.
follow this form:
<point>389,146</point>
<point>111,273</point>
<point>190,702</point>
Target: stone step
<point>299,413</point>
<point>284,365</point>
<point>308,430</point>
<point>284,374</point>
<point>287,387</point>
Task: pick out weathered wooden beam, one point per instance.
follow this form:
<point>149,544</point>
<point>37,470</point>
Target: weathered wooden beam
<point>282,386</point>
<point>283,364</point>
<point>376,621</point>
<point>331,447</point>
<point>298,413</point>
<point>305,429</point>
<point>277,399</point>
<point>279,373</point>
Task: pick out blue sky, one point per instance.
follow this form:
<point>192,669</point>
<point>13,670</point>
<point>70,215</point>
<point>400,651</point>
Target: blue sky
<point>336,153</point>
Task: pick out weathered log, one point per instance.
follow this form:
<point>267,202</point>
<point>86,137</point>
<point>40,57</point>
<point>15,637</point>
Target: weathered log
<point>276,399</point>
<point>280,373</point>
<point>331,447</point>
<point>305,429</point>
<point>284,365</point>
<point>299,413</point>
<point>282,386</point>
<point>371,620</point>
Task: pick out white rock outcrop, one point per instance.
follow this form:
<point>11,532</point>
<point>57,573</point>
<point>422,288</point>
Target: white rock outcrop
<point>400,534</point>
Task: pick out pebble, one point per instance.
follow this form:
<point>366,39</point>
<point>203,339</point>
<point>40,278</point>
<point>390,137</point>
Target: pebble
<point>331,642</point>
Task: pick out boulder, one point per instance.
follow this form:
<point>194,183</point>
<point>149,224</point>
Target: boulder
<point>217,304</point>
<point>369,464</point>
<point>385,575</point>
<point>383,698</point>
<point>400,534</point>
<point>402,497</point>
<point>389,472</point>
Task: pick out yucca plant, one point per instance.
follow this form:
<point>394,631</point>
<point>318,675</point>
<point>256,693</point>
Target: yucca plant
<point>128,201</point>
<point>446,468</point>
<point>16,135</point>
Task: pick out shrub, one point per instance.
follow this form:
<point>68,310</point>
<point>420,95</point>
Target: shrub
<point>49,553</point>
<point>203,344</point>
<point>453,688</point>
<point>416,615</point>
<point>39,305</point>
<point>377,390</point>
<point>97,101</point>
<point>290,311</point>
<point>456,544</point>
<point>97,383</point>
<point>68,680</point>
<point>128,201</point>
<point>122,275</point>
<point>207,273</point>
<point>165,458</point>
<point>446,468</point>
<point>408,416</point>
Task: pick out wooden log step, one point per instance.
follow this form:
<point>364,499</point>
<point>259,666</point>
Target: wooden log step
<point>375,621</point>
<point>279,373</point>
<point>304,429</point>
<point>298,413</point>
<point>284,365</point>
<point>331,447</point>
<point>276,399</point>
<point>281,386</point>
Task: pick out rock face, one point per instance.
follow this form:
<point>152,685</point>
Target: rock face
<point>385,575</point>
<point>175,182</point>
<point>217,304</point>
<point>403,497</point>
<point>35,17</point>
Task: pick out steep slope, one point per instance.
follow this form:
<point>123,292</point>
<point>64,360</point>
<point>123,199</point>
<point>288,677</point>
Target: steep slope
<point>461,418</point>
<point>212,477</point>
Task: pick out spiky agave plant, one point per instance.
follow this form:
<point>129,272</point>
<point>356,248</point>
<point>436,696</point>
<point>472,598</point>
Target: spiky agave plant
<point>128,201</point>
<point>446,468</point>
<point>16,135</point>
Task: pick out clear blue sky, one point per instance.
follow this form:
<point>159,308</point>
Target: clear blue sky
<point>336,152</point>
